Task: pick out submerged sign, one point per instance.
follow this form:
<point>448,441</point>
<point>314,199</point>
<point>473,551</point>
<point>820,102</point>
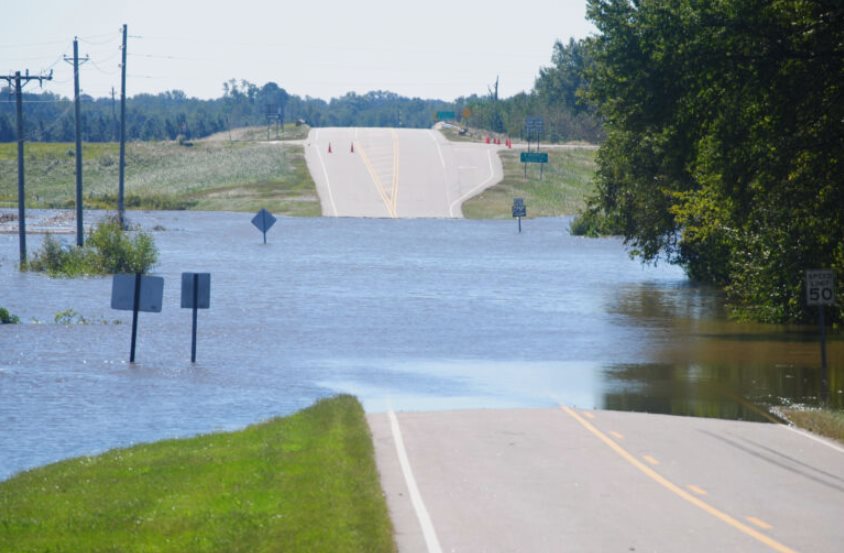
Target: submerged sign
<point>150,294</point>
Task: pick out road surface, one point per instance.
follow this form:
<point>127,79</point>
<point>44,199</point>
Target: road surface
<point>397,173</point>
<point>550,480</point>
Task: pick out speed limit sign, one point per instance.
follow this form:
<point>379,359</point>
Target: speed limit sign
<point>820,287</point>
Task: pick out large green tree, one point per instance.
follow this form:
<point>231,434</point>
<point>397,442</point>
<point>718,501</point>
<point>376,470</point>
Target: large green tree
<point>725,140</point>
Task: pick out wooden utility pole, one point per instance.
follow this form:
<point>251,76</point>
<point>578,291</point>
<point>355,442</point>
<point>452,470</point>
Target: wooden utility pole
<point>17,78</point>
<point>80,236</point>
<point>120,187</point>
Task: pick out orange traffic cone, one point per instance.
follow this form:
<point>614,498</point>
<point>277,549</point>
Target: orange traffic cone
<point>329,147</point>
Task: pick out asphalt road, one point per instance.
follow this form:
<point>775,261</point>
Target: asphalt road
<point>570,480</point>
<point>397,173</point>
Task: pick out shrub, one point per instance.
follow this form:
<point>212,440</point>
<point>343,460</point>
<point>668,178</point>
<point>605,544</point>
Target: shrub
<point>7,318</point>
<point>109,250</point>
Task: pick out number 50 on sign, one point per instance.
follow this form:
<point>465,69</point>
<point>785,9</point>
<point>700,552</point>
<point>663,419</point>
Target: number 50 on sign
<point>820,287</point>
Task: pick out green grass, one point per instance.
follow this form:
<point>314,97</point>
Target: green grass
<point>825,422</point>
<point>566,183</point>
<point>249,134</point>
<point>305,483</point>
<point>210,175</point>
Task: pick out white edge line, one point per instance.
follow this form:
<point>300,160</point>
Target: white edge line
<point>327,180</point>
<point>428,532</point>
<point>439,150</point>
<point>818,439</point>
<point>475,189</point>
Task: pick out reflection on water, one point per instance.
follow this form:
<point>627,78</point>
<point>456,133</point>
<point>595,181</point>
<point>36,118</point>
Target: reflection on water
<point>422,314</point>
<point>704,365</point>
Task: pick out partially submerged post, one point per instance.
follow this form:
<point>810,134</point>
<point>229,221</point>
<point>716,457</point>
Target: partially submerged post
<point>519,210</point>
<point>196,294</point>
<point>136,293</point>
<point>263,221</point>
<point>820,291</point>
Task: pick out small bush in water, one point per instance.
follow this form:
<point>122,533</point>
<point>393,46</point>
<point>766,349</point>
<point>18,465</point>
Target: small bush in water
<point>108,250</point>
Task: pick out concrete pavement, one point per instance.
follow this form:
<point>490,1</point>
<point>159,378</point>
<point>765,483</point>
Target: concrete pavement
<point>550,480</point>
<point>397,173</point>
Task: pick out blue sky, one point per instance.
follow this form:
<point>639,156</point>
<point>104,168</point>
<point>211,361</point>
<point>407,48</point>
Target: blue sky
<point>431,49</point>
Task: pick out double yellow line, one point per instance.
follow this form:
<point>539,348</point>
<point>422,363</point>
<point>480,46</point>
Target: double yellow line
<point>390,199</point>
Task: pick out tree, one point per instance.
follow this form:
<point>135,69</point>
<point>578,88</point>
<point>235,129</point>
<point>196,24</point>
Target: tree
<point>725,140</point>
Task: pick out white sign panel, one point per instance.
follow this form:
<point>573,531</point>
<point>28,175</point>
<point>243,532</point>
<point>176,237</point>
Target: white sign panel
<point>820,287</point>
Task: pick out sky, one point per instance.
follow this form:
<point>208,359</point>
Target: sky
<point>434,49</point>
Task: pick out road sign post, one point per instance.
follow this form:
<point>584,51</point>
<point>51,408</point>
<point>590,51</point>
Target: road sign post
<point>264,220</point>
<point>196,294</point>
<point>519,210</point>
<point>820,292</point>
<point>136,293</point>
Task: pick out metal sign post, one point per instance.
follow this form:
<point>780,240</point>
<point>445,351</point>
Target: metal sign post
<point>820,291</point>
<point>263,221</point>
<point>519,210</point>
<point>136,293</point>
<point>534,129</point>
<point>196,294</point>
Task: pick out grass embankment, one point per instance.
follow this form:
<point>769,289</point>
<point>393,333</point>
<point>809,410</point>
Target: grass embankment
<point>305,483</point>
<point>565,184</point>
<point>209,175</point>
<point>252,134</point>
<point>820,421</point>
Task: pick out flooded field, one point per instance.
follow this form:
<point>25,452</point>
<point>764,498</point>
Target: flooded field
<point>406,314</point>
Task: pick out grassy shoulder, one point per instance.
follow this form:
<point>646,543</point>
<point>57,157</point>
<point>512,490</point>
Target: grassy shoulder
<point>565,184</point>
<point>825,422</point>
<point>307,482</point>
<point>208,175</point>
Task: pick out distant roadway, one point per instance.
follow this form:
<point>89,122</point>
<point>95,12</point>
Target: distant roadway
<point>397,173</point>
<point>557,480</point>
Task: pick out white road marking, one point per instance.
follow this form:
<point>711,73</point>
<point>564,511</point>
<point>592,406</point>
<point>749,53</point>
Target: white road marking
<point>428,532</point>
<point>439,151</point>
<point>823,441</point>
<point>327,181</point>
<point>475,189</point>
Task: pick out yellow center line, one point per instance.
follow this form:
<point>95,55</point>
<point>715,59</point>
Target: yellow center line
<point>376,180</point>
<point>395,171</point>
<point>697,490</point>
<point>677,490</point>
<point>758,522</point>
<point>651,460</point>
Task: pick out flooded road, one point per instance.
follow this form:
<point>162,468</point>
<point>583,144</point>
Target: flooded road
<point>405,314</point>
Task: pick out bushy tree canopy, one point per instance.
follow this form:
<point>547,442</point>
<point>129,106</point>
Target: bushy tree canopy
<point>725,140</point>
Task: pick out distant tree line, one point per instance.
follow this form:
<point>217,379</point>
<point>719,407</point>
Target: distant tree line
<point>169,115</point>
<point>556,98</point>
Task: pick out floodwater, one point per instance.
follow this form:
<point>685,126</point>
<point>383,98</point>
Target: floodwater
<point>405,314</point>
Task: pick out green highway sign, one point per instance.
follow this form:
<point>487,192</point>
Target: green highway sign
<point>446,116</point>
<point>533,157</point>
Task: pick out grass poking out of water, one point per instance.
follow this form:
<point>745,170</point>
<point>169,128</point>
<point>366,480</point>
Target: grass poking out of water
<point>565,184</point>
<point>304,483</point>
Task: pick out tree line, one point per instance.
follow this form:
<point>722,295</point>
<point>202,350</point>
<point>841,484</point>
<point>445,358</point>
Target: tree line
<point>725,141</point>
<point>169,115</point>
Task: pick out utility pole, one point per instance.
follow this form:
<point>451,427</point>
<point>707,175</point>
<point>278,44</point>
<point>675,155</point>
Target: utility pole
<point>79,228</point>
<point>120,188</point>
<point>17,78</point>
<point>113,117</point>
